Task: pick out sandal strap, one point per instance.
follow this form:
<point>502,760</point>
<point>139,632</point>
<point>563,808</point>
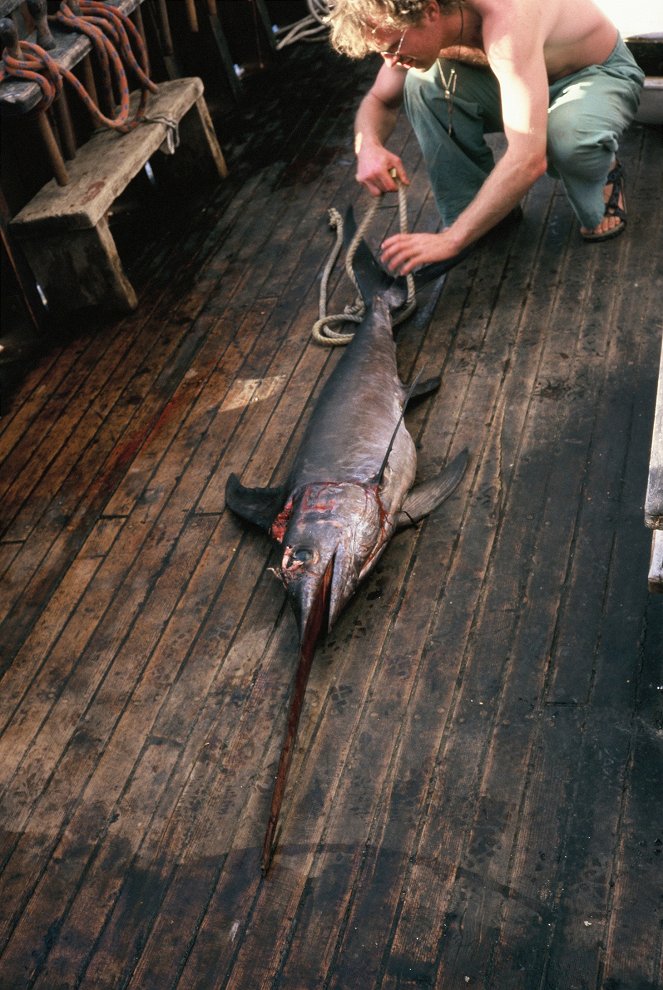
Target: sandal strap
<point>616,179</point>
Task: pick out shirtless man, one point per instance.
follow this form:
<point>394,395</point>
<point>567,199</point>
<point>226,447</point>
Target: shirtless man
<point>555,76</point>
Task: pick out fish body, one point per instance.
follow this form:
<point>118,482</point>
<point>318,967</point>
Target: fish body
<point>352,481</point>
<point>351,486</point>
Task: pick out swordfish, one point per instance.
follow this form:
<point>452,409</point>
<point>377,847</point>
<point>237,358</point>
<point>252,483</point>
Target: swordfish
<point>350,488</point>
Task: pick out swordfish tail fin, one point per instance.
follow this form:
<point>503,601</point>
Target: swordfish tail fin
<point>373,278</point>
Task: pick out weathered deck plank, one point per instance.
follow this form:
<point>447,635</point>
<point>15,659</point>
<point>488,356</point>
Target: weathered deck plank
<point>475,794</point>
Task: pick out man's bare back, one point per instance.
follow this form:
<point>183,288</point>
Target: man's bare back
<point>575,34</point>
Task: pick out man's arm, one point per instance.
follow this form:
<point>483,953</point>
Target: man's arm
<point>374,123</point>
<point>514,47</point>
<point>513,39</point>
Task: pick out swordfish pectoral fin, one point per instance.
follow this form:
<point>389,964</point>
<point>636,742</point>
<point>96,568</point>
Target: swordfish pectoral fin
<point>259,506</point>
<point>428,495</point>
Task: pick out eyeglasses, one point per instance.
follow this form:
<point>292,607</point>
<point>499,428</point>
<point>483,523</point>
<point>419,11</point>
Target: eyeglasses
<point>396,58</point>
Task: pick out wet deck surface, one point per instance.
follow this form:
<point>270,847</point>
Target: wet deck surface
<point>476,797</point>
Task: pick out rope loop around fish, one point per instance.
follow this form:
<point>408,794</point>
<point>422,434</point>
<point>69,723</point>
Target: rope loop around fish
<point>323,331</point>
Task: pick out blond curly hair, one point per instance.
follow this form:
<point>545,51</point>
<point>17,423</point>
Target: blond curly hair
<point>353,22</point>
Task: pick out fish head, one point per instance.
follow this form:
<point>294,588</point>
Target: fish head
<point>333,533</point>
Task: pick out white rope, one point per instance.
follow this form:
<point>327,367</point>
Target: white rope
<point>323,331</point>
<point>310,28</point>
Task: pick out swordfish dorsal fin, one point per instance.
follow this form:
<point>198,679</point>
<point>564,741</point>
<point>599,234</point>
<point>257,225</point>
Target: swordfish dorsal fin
<point>259,506</point>
<point>425,497</point>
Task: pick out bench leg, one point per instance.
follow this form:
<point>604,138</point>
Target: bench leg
<point>198,145</point>
<point>79,268</point>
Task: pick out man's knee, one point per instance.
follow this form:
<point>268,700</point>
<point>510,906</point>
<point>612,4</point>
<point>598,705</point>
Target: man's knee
<point>577,146</point>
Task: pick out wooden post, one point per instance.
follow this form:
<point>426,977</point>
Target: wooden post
<point>88,79</point>
<point>263,14</point>
<point>224,52</point>
<point>192,16</point>
<point>140,26</point>
<point>39,12</point>
<point>65,125</point>
<point>52,149</point>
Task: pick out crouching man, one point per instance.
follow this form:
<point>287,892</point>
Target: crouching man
<point>555,77</point>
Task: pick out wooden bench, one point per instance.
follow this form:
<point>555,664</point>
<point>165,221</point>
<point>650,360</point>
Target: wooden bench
<point>654,499</point>
<point>64,230</point>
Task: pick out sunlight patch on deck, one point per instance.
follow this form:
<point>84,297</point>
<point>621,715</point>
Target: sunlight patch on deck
<point>244,391</point>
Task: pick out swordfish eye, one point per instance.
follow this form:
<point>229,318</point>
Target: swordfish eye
<point>299,556</point>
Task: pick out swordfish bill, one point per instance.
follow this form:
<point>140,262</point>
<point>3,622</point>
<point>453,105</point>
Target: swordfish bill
<point>350,488</point>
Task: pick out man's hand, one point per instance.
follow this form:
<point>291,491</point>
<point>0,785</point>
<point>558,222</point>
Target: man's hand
<point>374,170</point>
<point>402,253</point>
<point>375,121</point>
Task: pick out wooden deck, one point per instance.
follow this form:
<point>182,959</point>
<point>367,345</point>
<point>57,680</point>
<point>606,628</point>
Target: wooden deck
<point>476,798</point>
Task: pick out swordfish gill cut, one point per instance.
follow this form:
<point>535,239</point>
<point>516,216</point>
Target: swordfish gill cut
<point>351,487</point>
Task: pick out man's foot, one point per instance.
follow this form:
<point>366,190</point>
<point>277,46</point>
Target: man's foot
<point>614,218</point>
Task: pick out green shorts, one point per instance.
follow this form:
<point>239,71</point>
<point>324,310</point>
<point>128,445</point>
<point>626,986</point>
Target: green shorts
<point>588,112</point>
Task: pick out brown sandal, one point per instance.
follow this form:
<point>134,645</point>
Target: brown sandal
<point>612,207</point>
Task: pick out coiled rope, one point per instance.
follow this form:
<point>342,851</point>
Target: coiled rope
<point>323,331</point>
<point>108,30</point>
<point>310,28</point>
<point>34,58</point>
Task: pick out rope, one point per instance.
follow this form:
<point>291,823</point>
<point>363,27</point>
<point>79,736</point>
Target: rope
<point>108,29</point>
<point>34,58</point>
<point>313,27</point>
<point>323,331</point>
